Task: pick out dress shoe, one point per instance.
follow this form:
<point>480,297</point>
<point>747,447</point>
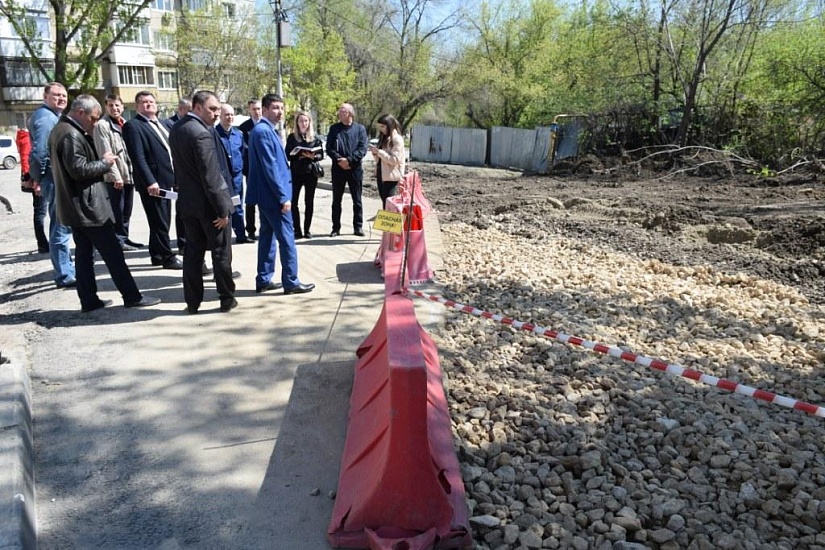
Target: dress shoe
<point>269,286</point>
<point>192,310</point>
<point>299,236</point>
<point>69,283</point>
<point>99,305</point>
<point>334,234</point>
<point>126,247</point>
<point>42,249</point>
<point>229,304</point>
<point>252,237</point>
<point>145,301</point>
<point>359,233</point>
<point>300,288</point>
<point>205,270</point>
<point>307,235</point>
<point>243,240</point>
<point>133,243</point>
<point>174,263</point>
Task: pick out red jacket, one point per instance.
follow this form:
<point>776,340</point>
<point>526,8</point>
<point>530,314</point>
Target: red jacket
<point>24,147</point>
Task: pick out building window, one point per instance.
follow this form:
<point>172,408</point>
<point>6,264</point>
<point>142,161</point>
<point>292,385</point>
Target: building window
<point>130,75</point>
<point>229,10</point>
<point>22,72</point>
<point>138,34</point>
<point>197,5</point>
<point>35,26</point>
<point>164,5</point>
<point>167,80</point>
<point>164,41</point>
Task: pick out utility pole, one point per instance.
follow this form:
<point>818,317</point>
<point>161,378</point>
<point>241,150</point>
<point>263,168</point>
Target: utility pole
<point>282,38</point>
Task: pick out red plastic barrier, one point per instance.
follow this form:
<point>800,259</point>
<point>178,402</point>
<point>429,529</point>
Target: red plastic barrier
<point>400,484</point>
<point>418,267</point>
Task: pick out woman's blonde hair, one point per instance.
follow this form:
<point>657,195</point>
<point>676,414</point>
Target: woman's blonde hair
<point>310,136</point>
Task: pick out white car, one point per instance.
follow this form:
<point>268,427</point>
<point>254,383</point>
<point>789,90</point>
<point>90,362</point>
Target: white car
<point>8,153</point>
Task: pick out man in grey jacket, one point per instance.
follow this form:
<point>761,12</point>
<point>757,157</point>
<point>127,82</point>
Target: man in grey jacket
<point>82,203</point>
<point>109,139</point>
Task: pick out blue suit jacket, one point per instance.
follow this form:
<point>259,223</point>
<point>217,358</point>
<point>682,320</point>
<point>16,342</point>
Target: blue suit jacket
<point>269,184</point>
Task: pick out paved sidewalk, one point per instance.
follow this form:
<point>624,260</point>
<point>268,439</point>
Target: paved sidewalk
<point>158,429</point>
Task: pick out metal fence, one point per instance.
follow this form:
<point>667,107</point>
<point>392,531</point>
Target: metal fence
<point>529,150</point>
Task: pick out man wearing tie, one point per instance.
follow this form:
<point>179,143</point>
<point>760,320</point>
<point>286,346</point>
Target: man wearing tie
<point>147,142</point>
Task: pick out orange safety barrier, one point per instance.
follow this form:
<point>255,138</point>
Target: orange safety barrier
<point>400,484</point>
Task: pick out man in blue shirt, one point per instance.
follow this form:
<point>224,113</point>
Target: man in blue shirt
<point>233,143</point>
<point>41,123</point>
<point>270,187</point>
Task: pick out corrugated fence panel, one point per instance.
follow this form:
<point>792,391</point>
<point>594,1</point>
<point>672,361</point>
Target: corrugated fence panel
<point>541,151</point>
<point>568,137</point>
<point>512,148</point>
<point>469,147</point>
<point>431,143</point>
<point>509,147</point>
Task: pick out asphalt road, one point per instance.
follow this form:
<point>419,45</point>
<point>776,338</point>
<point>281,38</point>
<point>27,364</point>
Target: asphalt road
<point>158,429</point>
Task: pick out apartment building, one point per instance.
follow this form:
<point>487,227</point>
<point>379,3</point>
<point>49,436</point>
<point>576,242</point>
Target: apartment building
<point>144,61</point>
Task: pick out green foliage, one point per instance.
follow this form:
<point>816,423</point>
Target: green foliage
<point>318,72</point>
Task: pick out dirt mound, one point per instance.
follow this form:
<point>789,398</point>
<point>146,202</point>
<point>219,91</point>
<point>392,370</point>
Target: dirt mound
<point>667,218</point>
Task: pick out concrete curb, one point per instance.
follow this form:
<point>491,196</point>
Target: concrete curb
<point>18,520</point>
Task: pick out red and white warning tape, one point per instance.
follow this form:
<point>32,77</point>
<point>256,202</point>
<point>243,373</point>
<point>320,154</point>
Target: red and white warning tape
<point>631,357</point>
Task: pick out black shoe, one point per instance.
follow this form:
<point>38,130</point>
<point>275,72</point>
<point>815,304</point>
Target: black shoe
<point>71,283</point>
<point>205,270</point>
<point>227,305</point>
<point>192,310</point>
<point>359,233</point>
<point>269,286</point>
<point>242,240</point>
<point>173,263</point>
<point>307,235</point>
<point>99,305</point>
<point>252,237</point>
<point>299,236</point>
<point>145,301</point>
<point>133,243</point>
<point>300,288</point>
<point>42,249</point>
<point>126,247</point>
<point>334,234</point>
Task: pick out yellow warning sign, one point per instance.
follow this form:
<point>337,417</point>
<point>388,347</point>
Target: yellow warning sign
<point>388,222</point>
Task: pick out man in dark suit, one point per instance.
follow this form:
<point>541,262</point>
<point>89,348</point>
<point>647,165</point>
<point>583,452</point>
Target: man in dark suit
<point>147,143</point>
<point>204,201</point>
<point>184,106</point>
<point>255,114</point>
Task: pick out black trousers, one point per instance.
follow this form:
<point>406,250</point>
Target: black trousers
<point>203,236</point>
<point>341,179</point>
<point>122,201</point>
<point>250,212</point>
<point>387,189</point>
<point>309,183</point>
<point>86,240</point>
<point>159,217</point>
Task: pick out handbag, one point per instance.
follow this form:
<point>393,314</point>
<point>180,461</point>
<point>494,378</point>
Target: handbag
<point>317,170</point>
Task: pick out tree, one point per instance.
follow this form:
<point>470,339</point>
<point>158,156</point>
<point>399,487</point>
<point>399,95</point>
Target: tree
<point>84,32</point>
<point>319,74</point>
<point>215,51</point>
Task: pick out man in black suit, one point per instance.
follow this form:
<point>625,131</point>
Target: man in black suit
<point>184,106</point>
<point>204,201</point>
<point>255,115</point>
<point>147,143</point>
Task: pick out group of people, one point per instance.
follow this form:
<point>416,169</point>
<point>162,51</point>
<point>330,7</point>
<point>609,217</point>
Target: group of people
<point>84,168</point>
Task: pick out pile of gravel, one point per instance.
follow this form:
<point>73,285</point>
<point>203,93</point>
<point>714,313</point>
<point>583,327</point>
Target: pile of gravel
<point>564,448</point>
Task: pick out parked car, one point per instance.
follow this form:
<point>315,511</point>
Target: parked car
<point>8,153</point>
